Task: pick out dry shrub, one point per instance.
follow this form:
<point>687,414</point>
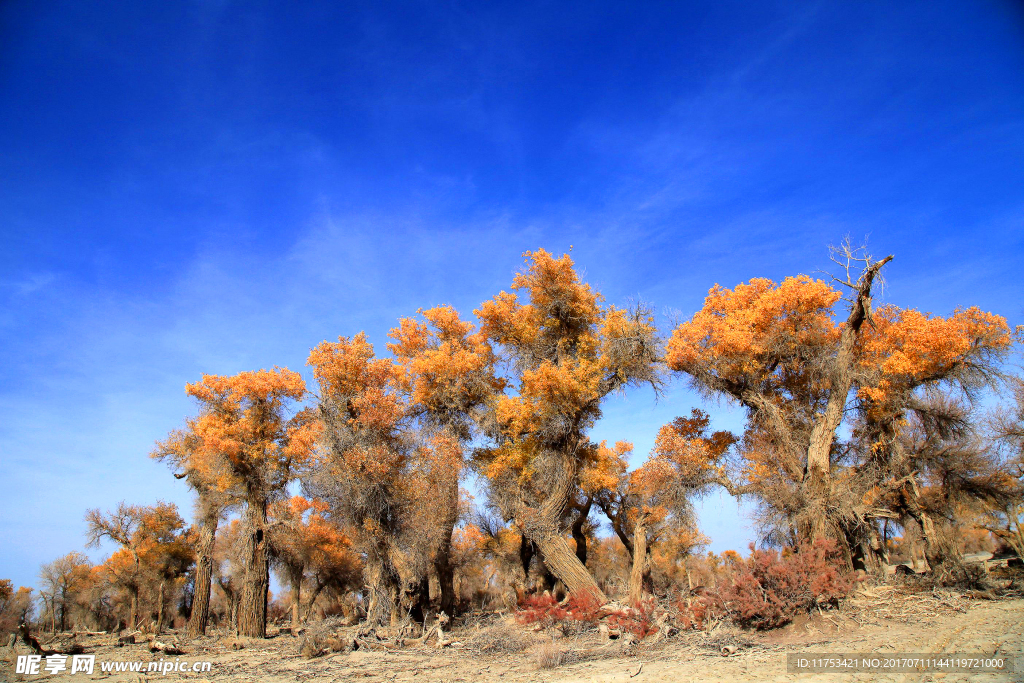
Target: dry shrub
<point>323,637</point>
<point>579,612</point>
<point>541,609</point>
<point>955,574</point>
<point>548,656</point>
<point>637,620</point>
<point>770,589</point>
<point>584,608</point>
<point>698,610</point>
<point>500,640</point>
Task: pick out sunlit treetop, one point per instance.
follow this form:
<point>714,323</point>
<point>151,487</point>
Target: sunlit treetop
<point>693,456</point>
<point>774,340</point>
<point>904,348</point>
<point>369,389</point>
<point>565,351</point>
<point>447,367</point>
<point>560,312</point>
<point>243,441</point>
<point>604,467</point>
<point>759,333</point>
<point>304,535</point>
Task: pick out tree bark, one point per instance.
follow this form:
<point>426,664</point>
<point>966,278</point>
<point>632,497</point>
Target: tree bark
<point>296,577</point>
<point>134,618</point>
<point>442,556</point>
<point>307,613</point>
<point>933,550</point>
<point>577,530</point>
<point>641,569</point>
<point>204,577</point>
<point>252,609</point>
<point>446,581</point>
<point>526,553</point>
<point>541,525</point>
<point>564,564</point>
<point>160,608</point>
<point>383,585</point>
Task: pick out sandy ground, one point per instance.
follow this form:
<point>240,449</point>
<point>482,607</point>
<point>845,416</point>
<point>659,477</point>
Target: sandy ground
<point>885,623</point>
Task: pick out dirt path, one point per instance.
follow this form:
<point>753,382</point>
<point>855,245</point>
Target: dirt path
<point>995,627</point>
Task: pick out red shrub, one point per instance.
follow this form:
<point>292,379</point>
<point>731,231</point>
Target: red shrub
<point>540,609</point>
<point>584,608</point>
<point>770,590</point>
<point>639,620</point>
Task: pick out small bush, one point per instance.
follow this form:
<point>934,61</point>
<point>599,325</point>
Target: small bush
<point>582,609</point>
<point>770,589</point>
<point>699,610</point>
<point>541,609</point>
<point>548,656</point>
<point>639,620</point>
<point>500,640</point>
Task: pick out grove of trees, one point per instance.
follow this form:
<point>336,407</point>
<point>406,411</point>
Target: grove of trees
<point>863,431</point>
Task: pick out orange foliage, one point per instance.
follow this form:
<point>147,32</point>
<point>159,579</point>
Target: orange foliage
<point>738,329</point>
<point>242,440</point>
<point>567,352</point>
<point>904,348</point>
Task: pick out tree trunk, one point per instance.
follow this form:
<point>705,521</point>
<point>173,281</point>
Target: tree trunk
<point>296,577</point>
<point>204,577</point>
<point>933,550</point>
<point>446,580</point>
<point>252,608</point>
<point>160,608</point>
<point>308,612</point>
<point>541,525</point>
<point>641,561</point>
<point>383,585</point>
<point>134,618</point>
<point>563,563</point>
<point>818,481</point>
<point>442,557</point>
<point>526,552</point>
<point>416,599</point>
<point>577,530</point>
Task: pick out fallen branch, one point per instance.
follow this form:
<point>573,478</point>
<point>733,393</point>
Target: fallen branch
<point>167,649</point>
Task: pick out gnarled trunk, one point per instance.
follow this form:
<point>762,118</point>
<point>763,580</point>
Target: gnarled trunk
<point>383,585</point>
<point>252,608</point>
<point>563,563</point>
<point>204,577</point>
<point>134,616</point>
<point>308,612</point>
<point>542,524</point>
<point>446,581</point>
<point>442,555</point>
<point>818,476</point>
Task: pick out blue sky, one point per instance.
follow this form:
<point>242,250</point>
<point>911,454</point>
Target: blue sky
<point>217,186</point>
